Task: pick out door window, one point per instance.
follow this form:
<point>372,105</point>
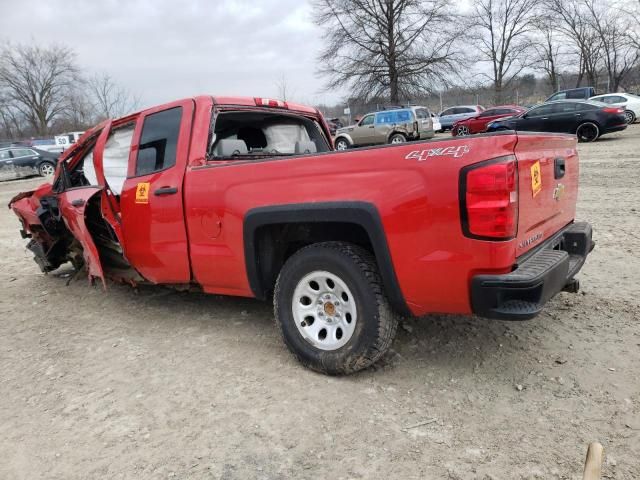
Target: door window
<point>448,111</point>
<point>159,141</point>
<point>540,111</point>
<point>115,158</point>
<point>4,155</point>
<point>565,107</point>
<point>368,120</point>
<point>21,152</point>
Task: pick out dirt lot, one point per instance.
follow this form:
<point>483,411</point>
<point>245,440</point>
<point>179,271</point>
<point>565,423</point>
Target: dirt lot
<point>159,384</point>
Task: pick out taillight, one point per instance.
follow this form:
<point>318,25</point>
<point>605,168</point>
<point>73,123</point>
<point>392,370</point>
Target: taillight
<point>616,110</point>
<point>489,199</point>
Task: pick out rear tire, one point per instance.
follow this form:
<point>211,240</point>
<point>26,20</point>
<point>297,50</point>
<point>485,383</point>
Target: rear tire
<point>629,117</point>
<point>587,132</point>
<point>397,138</point>
<point>342,144</point>
<point>327,329</point>
<point>46,169</point>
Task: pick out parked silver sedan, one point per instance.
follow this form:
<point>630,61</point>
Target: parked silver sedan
<point>452,115</point>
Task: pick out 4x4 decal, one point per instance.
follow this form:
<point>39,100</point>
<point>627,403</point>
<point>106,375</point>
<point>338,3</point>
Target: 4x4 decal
<point>422,155</point>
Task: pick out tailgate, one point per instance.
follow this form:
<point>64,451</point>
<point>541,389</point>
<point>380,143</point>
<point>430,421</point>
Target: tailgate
<point>548,186</point>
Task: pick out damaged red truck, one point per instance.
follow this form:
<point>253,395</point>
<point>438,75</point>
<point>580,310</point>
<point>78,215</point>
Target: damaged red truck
<point>246,197</point>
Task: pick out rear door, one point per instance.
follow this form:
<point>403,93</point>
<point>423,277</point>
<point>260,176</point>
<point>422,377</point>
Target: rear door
<point>548,186</point>
<point>151,204</point>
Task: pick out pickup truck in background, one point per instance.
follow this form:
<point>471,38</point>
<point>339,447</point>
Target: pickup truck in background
<point>246,197</point>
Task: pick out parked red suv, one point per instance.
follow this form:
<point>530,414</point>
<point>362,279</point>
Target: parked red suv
<point>478,123</point>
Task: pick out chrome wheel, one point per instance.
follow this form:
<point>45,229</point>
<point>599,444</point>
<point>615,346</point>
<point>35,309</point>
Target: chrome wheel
<point>463,130</point>
<point>324,310</point>
<point>629,117</point>
<point>47,170</point>
<point>398,139</point>
<point>341,144</point>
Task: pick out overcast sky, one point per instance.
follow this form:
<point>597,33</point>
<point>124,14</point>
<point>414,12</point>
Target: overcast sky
<point>168,49</point>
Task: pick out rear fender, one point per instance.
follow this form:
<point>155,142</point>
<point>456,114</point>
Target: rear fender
<point>73,204</point>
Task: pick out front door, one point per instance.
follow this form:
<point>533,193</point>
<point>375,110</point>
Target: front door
<point>364,132</point>
<point>151,204</point>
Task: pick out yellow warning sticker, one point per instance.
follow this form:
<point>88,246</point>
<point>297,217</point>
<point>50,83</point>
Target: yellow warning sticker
<point>142,193</point>
<point>536,178</point>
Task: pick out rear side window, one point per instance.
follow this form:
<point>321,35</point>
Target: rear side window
<point>401,116</point>
<point>577,93</point>
<point>422,113</point>
<point>464,110</point>
<point>159,141</point>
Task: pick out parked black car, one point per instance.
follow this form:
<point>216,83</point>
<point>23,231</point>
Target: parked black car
<point>26,161</point>
<point>582,93</point>
<point>586,119</point>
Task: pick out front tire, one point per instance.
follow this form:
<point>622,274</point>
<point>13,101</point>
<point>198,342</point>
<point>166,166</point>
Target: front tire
<point>46,169</point>
<point>587,132</point>
<point>331,309</point>
<point>342,144</point>
<point>462,131</point>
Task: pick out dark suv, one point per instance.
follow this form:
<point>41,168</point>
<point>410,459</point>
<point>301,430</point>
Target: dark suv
<point>582,93</point>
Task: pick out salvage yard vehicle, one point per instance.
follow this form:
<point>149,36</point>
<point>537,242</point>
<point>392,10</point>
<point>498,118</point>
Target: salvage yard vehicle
<point>478,123</point>
<point>588,120</point>
<point>20,161</point>
<point>452,115</point>
<point>388,126</point>
<point>627,101</point>
<point>581,93</point>
<point>245,197</point>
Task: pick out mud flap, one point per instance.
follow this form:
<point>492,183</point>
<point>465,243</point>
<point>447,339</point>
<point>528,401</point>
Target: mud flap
<point>73,204</point>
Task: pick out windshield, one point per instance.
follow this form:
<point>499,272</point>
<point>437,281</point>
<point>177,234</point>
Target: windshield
<point>250,134</point>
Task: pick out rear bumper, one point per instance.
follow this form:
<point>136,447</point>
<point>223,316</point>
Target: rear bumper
<point>539,276</point>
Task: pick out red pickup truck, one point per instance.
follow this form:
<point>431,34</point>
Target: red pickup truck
<point>245,196</point>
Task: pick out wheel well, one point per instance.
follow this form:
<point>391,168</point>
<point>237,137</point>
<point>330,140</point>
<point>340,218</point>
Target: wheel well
<point>342,137</point>
<point>273,234</point>
<point>275,243</point>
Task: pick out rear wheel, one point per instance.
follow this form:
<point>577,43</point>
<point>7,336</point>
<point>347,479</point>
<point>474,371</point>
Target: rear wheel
<point>397,138</point>
<point>462,131</point>
<point>46,169</point>
<point>588,132</point>
<point>629,117</point>
<point>331,309</point>
<point>342,144</point>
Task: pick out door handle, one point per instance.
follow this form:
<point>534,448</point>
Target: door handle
<point>166,191</point>
<point>559,168</point>
<point>372,126</point>
<point>77,203</point>
<point>545,118</point>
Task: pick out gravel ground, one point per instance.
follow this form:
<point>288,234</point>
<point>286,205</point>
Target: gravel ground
<point>160,384</point>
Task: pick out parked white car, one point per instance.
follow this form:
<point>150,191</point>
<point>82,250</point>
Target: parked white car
<point>630,101</point>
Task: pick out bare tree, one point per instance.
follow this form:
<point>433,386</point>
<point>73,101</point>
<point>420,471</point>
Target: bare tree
<point>283,88</point>
<point>37,81</point>
<point>574,23</point>
<point>109,99</point>
<point>613,29</point>
<point>501,32</point>
<point>386,48</point>
<point>548,50</point>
